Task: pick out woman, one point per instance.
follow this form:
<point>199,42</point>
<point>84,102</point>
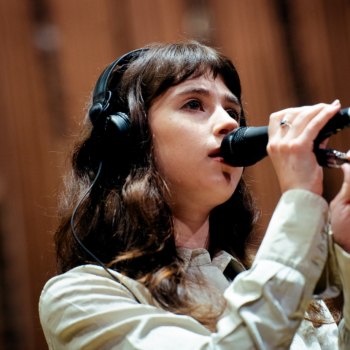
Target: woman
<point>171,219</point>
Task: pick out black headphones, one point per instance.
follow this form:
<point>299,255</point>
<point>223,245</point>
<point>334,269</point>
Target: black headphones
<point>109,125</point>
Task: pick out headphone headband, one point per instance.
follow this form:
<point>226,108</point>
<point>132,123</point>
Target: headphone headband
<point>102,95</point>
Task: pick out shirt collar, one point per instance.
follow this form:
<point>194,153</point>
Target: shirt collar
<point>201,257</point>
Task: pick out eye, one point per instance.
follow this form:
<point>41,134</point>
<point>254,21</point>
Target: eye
<point>233,114</point>
<point>194,105</point>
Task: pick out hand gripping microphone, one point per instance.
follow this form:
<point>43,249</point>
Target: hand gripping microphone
<point>246,146</point>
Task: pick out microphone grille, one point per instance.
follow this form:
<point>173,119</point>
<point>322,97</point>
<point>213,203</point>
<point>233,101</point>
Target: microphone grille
<point>238,136</point>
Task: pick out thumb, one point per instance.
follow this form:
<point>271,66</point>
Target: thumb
<point>344,193</point>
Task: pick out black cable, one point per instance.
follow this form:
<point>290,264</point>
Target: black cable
<point>82,245</point>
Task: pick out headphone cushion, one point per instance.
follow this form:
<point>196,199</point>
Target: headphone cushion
<point>118,125</point>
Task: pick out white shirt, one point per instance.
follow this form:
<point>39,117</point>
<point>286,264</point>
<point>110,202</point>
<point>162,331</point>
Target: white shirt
<point>86,309</point>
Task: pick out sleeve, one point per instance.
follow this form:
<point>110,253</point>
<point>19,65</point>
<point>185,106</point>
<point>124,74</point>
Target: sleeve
<point>266,303</point>
<point>343,261</point>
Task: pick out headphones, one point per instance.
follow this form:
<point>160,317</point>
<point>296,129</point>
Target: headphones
<point>110,126</point>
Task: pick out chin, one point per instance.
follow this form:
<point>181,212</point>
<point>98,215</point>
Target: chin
<point>227,181</point>
<point>220,194</point>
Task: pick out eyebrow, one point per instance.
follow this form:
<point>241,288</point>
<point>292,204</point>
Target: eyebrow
<point>227,97</point>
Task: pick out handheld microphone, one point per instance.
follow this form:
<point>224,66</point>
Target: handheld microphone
<point>246,146</point>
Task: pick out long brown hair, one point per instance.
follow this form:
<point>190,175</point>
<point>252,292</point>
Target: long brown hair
<point>126,220</point>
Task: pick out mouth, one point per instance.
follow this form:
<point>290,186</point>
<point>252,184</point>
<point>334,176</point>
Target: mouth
<point>216,155</point>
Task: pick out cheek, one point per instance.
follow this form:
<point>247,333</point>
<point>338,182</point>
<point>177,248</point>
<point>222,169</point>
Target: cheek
<point>174,147</point>
<point>172,155</point>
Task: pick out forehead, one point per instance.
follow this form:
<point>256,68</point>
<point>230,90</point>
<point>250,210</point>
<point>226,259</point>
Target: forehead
<point>205,85</point>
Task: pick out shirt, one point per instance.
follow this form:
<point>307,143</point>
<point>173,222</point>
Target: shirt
<point>86,309</point>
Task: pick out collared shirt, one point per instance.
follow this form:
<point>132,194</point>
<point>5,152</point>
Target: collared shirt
<point>86,309</point>
<point>218,271</point>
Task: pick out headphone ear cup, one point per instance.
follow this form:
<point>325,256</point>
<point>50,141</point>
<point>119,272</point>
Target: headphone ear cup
<point>117,126</point>
<point>109,137</point>
<point>115,139</point>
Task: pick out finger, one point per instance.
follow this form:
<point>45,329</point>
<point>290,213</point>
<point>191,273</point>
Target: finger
<point>323,144</point>
<point>288,114</point>
<point>346,171</point>
<point>288,118</point>
<point>305,117</point>
<point>315,125</point>
<point>344,193</point>
<point>298,118</point>
<point>281,114</point>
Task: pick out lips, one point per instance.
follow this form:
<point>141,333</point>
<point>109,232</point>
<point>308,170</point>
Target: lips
<point>215,153</point>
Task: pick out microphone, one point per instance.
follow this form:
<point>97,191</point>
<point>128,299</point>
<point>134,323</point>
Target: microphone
<point>246,146</point>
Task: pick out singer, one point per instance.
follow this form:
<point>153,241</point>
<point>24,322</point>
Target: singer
<point>170,219</point>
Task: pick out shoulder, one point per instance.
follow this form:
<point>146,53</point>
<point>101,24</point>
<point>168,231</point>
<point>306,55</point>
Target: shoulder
<point>94,281</point>
<point>77,287</point>
<point>86,297</point>
<point>86,308</point>
<point>86,278</point>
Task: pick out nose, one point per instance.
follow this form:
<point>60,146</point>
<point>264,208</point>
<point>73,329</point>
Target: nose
<point>224,123</point>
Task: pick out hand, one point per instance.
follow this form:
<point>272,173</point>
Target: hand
<point>291,147</point>
<point>340,210</point>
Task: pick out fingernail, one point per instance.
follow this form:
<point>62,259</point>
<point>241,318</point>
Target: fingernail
<point>336,102</point>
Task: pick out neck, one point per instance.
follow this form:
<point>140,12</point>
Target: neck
<point>192,229</point>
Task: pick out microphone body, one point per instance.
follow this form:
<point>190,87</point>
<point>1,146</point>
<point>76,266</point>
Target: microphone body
<point>246,146</point>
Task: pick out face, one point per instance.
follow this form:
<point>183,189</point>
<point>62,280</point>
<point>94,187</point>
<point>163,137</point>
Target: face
<point>188,122</point>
